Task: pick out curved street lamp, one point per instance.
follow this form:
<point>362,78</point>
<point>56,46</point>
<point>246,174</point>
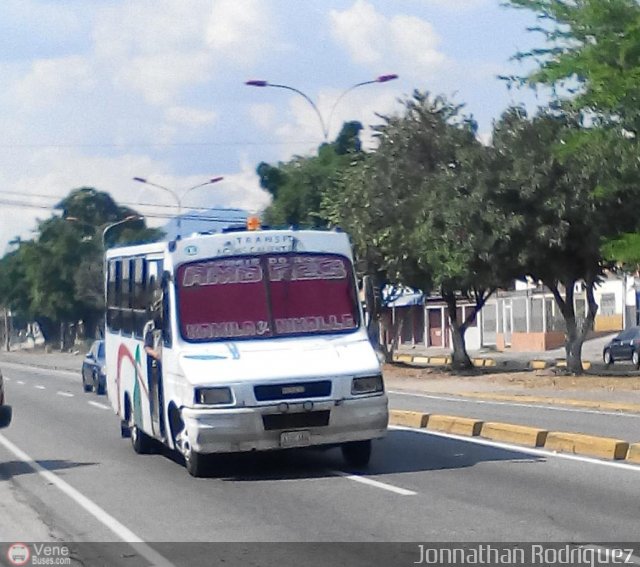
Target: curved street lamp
<point>177,197</point>
<point>114,224</point>
<point>323,125</point>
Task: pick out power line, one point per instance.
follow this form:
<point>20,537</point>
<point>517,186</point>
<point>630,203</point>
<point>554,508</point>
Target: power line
<point>205,218</point>
<point>128,204</point>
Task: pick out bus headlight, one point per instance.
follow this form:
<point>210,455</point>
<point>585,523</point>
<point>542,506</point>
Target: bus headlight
<point>367,385</point>
<point>213,396</point>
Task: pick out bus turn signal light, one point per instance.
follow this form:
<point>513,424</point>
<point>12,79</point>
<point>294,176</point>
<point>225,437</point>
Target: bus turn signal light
<point>253,223</point>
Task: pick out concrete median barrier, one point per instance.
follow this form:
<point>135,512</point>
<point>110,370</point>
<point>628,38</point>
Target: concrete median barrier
<point>589,445</point>
<point>633,453</point>
<point>456,425</point>
<point>408,418</point>
<point>517,434</point>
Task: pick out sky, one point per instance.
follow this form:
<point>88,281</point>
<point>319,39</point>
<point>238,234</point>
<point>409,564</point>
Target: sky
<point>96,92</point>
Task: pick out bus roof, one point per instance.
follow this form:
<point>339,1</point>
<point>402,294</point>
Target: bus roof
<point>241,243</point>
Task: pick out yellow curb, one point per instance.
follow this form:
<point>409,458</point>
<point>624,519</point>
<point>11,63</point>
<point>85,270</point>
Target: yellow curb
<point>588,404</point>
<point>408,418</point>
<point>455,425</point>
<point>439,360</point>
<point>484,362</point>
<point>633,454</point>
<point>591,445</point>
<point>561,363</point>
<point>403,357</point>
<point>537,364</point>
<point>518,434</point>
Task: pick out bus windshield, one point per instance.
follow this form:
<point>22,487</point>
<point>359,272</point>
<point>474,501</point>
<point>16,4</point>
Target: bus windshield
<point>266,296</point>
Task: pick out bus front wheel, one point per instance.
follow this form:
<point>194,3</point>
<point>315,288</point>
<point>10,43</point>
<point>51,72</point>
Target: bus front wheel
<point>195,463</point>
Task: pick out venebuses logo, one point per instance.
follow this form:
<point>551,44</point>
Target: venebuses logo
<point>18,554</point>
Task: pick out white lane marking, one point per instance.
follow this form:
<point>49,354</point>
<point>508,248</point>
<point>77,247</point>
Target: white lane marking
<point>521,449</point>
<point>65,394</point>
<point>7,379</point>
<point>21,382</point>
<point>39,387</point>
<point>98,405</point>
<point>516,404</point>
<point>376,483</point>
<point>120,530</point>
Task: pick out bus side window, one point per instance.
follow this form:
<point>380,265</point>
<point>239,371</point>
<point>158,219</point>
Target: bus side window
<point>113,295</point>
<point>125,297</point>
<point>139,301</point>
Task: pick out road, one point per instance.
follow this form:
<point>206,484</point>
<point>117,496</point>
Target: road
<point>420,487</point>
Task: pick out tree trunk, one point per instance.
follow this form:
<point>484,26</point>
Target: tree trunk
<point>460,358</point>
<point>576,334</point>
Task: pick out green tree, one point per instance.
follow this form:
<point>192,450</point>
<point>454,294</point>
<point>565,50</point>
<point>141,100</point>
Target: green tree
<point>57,278</point>
<point>558,214</point>
<point>420,212</point>
<point>298,185</point>
<point>591,58</point>
<point>592,50</point>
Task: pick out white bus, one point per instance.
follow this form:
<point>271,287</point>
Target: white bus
<point>262,340</point>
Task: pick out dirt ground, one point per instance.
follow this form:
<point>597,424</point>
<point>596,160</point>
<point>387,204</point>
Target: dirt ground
<point>532,379</point>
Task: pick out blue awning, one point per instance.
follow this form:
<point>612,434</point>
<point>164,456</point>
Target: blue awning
<point>407,299</point>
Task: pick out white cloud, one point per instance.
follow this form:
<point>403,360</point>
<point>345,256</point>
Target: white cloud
<point>189,117</point>
<point>65,169</point>
<point>160,48</point>
<point>240,30</point>
<point>263,115</point>
<point>405,43</point>
<point>458,5</point>
<point>48,80</point>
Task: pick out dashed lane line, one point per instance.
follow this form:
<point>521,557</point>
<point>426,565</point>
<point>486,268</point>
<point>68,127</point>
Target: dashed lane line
<point>374,483</point>
<point>65,394</point>
<point>98,405</point>
<point>120,530</point>
<point>40,387</point>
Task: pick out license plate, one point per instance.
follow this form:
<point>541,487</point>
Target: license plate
<point>295,438</point>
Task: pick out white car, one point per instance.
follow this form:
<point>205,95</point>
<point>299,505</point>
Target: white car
<point>5,410</point>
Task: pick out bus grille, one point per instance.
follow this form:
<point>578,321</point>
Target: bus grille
<point>296,420</point>
<point>290,391</point>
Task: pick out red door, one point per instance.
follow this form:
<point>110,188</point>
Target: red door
<point>435,327</point>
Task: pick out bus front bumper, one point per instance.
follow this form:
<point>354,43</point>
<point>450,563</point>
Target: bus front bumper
<point>269,427</point>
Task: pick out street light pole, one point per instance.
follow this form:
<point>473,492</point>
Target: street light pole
<point>177,197</point>
<point>324,125</point>
<point>114,224</point>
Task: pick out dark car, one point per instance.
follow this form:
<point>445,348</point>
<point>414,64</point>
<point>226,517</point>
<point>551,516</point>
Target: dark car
<point>624,346</point>
<point>5,410</point>
<point>94,372</point>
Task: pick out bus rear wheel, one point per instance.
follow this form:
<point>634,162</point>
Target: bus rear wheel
<point>140,441</point>
<point>357,453</point>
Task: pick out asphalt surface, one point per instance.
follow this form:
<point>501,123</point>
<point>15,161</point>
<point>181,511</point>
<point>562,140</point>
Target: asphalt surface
<point>419,487</point>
